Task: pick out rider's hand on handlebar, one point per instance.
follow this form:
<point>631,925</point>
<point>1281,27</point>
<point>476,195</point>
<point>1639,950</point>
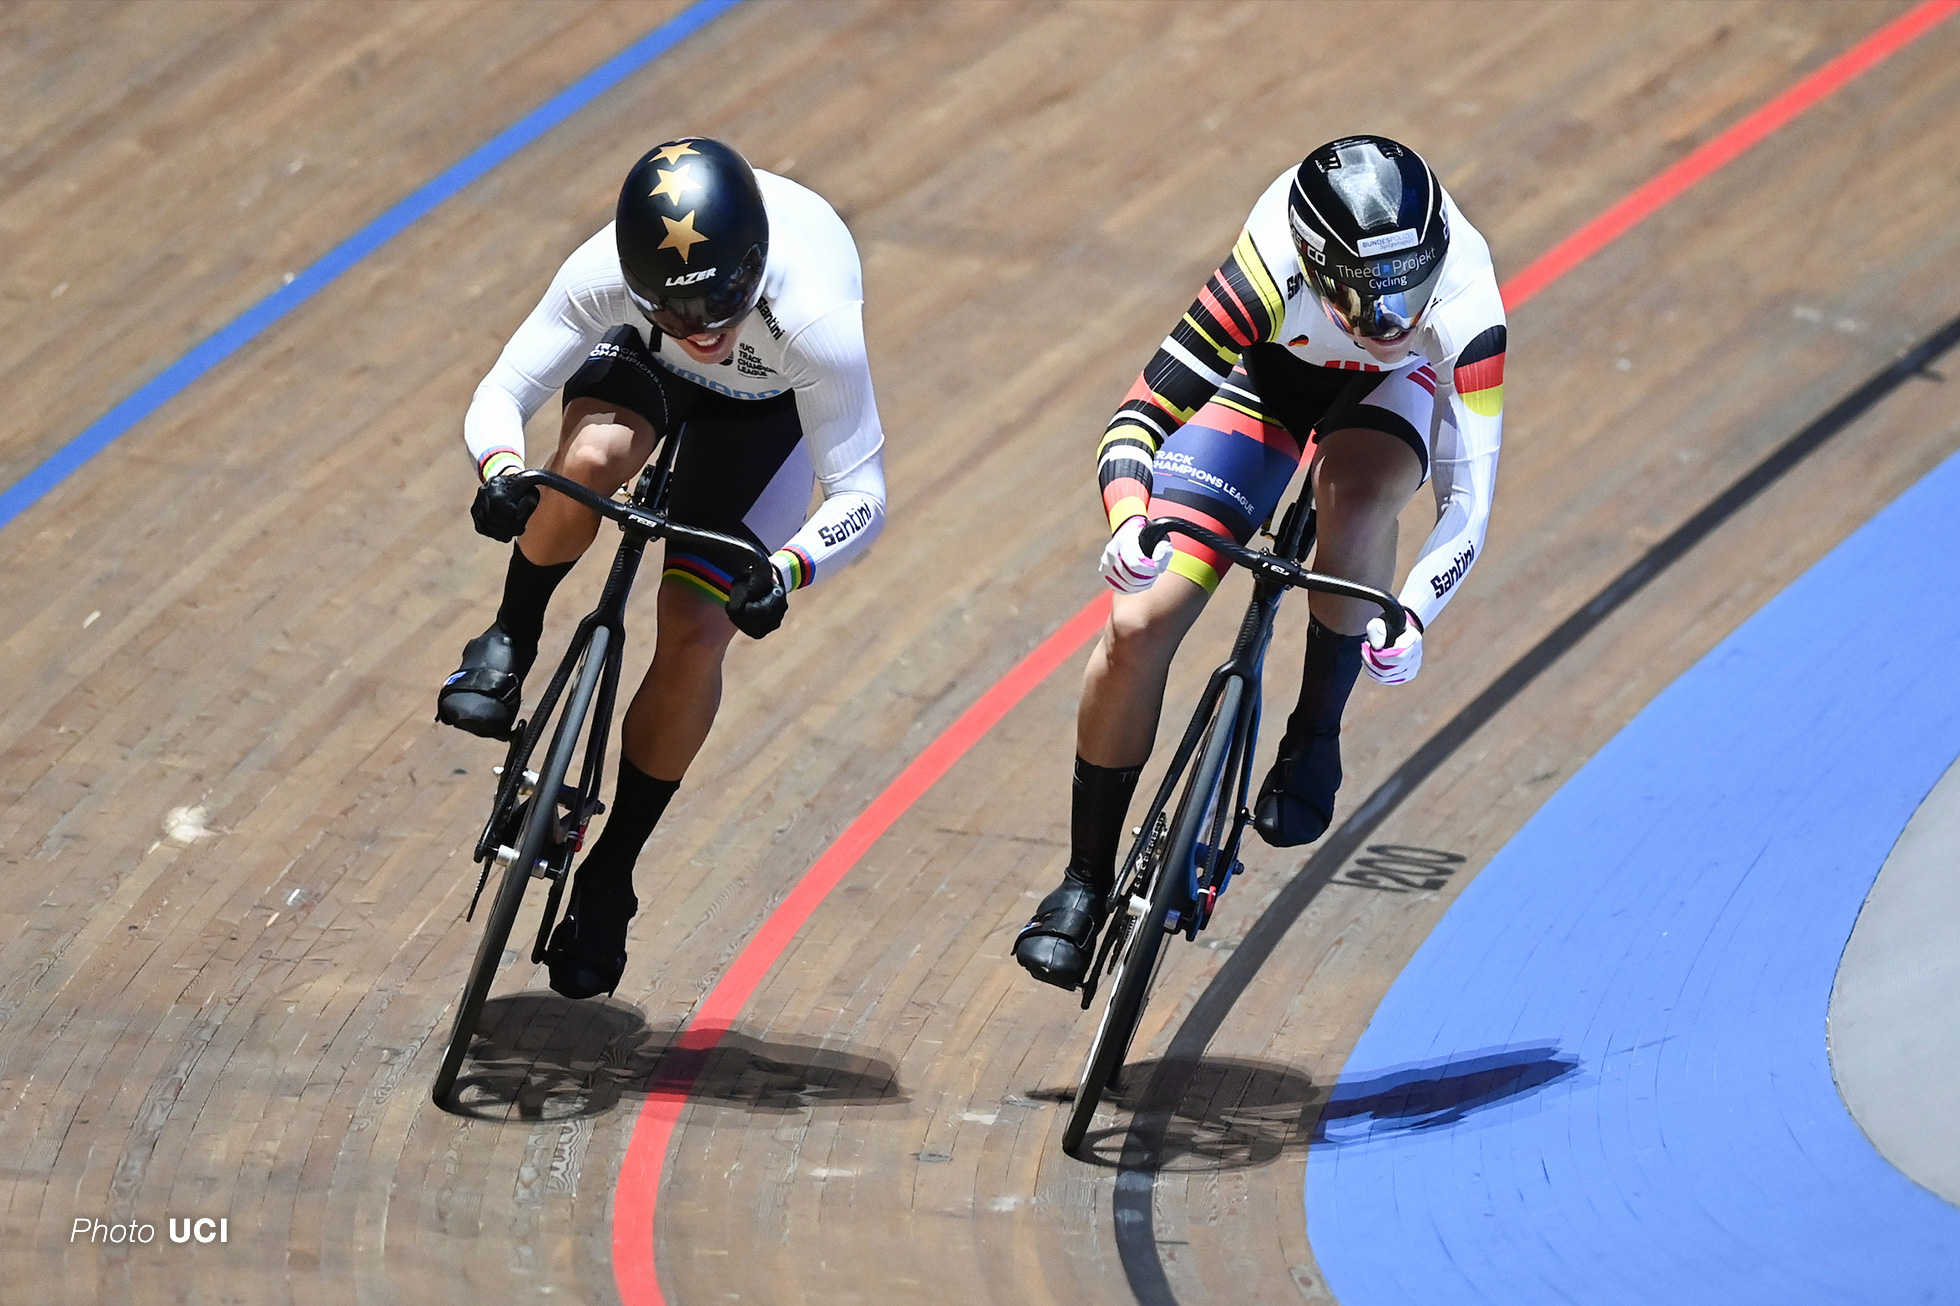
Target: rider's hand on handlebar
<point>502,507</point>
<point>1398,663</point>
<point>757,601</point>
<point>1125,565</point>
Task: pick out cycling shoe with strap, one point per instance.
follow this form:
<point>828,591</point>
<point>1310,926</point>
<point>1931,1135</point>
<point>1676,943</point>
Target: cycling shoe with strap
<point>1058,945</point>
<point>587,954</point>
<point>482,695</point>
<point>1296,803</point>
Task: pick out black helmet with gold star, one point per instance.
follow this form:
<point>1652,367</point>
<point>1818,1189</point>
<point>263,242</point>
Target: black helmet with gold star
<point>693,236</point>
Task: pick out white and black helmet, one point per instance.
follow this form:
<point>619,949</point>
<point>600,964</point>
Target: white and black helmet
<point>1367,218</point>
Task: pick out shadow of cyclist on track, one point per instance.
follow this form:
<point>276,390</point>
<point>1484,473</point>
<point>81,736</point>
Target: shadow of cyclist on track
<point>1239,1114</point>
<point>1436,1094</point>
<point>541,1057</point>
<point>1236,1114</point>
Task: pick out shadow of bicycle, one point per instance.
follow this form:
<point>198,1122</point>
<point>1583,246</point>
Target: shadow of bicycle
<point>538,1056</point>
<point>1232,1114</point>
<point>1436,1095</point>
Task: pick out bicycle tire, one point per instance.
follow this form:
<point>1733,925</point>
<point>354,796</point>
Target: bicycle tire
<point>537,827</point>
<point>1137,966</point>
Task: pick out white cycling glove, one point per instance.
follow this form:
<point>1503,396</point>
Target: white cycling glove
<point>1398,663</point>
<point>1127,568</point>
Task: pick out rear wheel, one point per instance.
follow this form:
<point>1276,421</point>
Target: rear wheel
<point>535,837</point>
<point>1166,887</point>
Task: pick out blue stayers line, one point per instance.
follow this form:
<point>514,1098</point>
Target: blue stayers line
<point>241,330</point>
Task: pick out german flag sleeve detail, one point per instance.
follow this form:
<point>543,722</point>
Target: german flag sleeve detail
<point>1239,306</point>
<point>1480,373</point>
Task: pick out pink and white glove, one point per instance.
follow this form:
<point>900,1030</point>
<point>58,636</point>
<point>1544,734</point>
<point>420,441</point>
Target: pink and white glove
<point>1125,565</point>
<point>1398,663</point>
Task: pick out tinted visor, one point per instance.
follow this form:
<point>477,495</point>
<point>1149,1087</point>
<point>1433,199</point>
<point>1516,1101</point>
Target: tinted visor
<point>723,305</point>
<point>1373,316</point>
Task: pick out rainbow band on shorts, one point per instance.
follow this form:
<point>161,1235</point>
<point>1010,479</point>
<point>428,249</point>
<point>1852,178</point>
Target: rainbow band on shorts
<point>699,573</point>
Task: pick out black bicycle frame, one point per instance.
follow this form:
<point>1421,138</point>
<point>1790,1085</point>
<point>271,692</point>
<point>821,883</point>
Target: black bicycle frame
<point>640,521</point>
<point>1273,574</point>
<point>1246,661</point>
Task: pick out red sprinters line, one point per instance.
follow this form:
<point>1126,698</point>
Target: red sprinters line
<point>1724,147</point>
<point>638,1189</point>
<point>646,1152</point>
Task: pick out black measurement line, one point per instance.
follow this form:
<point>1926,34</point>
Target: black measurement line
<point>1136,1239</point>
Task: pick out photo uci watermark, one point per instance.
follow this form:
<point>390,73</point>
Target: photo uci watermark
<point>201,1229</point>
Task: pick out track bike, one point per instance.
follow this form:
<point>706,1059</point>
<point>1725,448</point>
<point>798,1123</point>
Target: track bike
<point>1185,856</point>
<point>538,821</point>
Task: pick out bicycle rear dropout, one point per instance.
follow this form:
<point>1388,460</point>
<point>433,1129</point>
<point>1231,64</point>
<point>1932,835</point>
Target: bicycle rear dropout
<point>538,821</point>
<point>1184,856</point>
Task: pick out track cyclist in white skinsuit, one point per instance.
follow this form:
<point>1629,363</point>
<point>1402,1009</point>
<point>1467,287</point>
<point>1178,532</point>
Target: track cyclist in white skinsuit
<point>727,303</point>
<point>1356,322</point>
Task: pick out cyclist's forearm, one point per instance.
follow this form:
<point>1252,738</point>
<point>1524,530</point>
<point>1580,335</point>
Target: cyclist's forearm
<point>1239,306</point>
<point>1123,470</point>
<point>1453,547</point>
<point>547,348</point>
<point>493,431</point>
<point>844,524</point>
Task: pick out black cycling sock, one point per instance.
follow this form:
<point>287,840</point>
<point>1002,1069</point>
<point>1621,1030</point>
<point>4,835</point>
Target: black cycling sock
<point>1333,661</point>
<point>527,589</point>
<point>1100,800</point>
<point>638,801</point>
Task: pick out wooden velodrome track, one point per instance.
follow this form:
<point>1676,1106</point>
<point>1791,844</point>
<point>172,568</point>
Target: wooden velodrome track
<point>235,845</point>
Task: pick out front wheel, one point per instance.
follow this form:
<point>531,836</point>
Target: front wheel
<point>539,826</point>
<point>1147,920</point>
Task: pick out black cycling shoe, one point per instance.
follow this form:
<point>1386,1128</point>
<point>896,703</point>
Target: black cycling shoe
<point>482,695</point>
<point>1058,945</point>
<point>1296,804</point>
<point>587,954</point>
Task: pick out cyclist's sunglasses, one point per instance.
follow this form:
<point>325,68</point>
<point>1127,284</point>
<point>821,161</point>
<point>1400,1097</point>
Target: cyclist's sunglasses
<point>700,315</point>
<point>1373,317</point>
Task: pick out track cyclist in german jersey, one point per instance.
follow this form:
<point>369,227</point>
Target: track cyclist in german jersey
<point>1356,321</point>
<point>723,303</point>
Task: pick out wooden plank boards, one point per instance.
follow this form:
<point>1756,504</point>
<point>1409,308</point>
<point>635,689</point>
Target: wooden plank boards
<point>168,165</point>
